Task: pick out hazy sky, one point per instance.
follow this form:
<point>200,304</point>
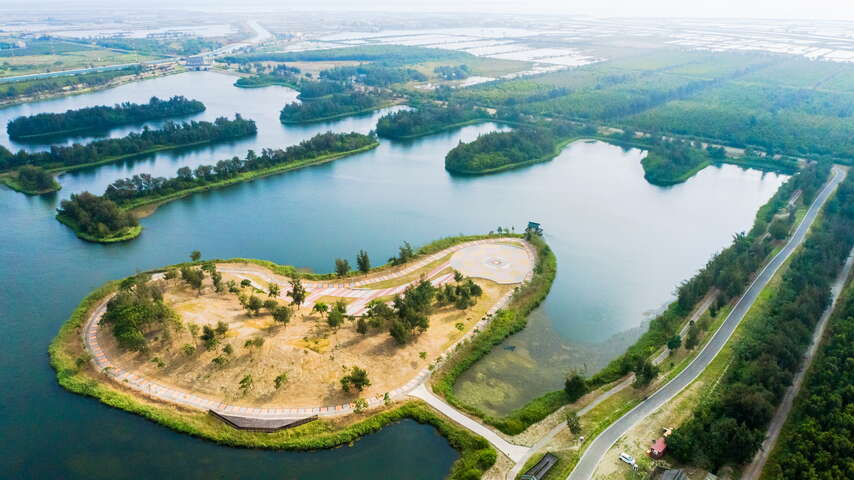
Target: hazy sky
<point>789,9</point>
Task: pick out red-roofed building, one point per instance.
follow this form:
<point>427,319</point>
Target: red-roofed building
<point>657,449</point>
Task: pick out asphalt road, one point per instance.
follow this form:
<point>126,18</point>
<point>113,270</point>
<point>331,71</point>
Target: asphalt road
<point>597,449</point>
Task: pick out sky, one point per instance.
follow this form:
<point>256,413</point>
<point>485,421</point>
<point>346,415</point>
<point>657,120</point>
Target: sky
<point>783,9</point>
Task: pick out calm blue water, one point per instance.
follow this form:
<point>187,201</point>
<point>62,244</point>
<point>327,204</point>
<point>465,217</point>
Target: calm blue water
<point>622,246</point>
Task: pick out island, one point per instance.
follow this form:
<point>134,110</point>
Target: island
<point>172,135</point>
<point>428,119</point>
<point>335,105</point>
<point>100,117</point>
<point>113,216</point>
<point>31,180</point>
<point>250,353</point>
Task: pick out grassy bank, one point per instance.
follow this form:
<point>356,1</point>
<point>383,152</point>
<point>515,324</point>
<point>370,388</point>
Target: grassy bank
<point>243,177</point>
<point>506,322</point>
<point>122,236</point>
<point>12,182</point>
<point>75,373</point>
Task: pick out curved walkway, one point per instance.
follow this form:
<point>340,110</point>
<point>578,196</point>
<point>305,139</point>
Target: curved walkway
<point>597,449</point>
<point>174,395</point>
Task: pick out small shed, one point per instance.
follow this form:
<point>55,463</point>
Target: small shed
<point>541,469</point>
<point>534,227</point>
<point>657,449</point>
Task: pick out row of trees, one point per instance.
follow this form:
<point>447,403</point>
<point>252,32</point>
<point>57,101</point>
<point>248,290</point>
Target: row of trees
<point>729,426</point>
<point>171,135</point>
<point>57,84</point>
<point>96,216</point>
<point>144,185</point>
<point>428,118</point>
<point>334,105</point>
<point>818,439</point>
<point>102,116</point>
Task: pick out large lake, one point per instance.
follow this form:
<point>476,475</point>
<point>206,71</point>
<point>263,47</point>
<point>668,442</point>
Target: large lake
<point>622,246</point>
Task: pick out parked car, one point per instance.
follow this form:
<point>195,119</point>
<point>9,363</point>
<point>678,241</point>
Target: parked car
<point>627,458</point>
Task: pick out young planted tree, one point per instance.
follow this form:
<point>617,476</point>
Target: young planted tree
<point>246,384</point>
<point>195,278</point>
<point>245,283</point>
<point>363,262</point>
<point>216,278</point>
<point>195,255</point>
<point>357,378</point>
<point>280,380</point>
<point>253,305</point>
<point>320,308</point>
<point>573,422</point>
<point>273,290</point>
<point>282,314</point>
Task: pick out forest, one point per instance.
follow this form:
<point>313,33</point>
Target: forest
<point>331,106</point>
<point>170,136</point>
<point>96,217</point>
<point>729,426</point>
<point>102,116</point>
<point>149,46</point>
<point>425,119</point>
<point>263,76</point>
<point>125,190</point>
<point>374,75</point>
<point>449,72</point>
<point>818,438</point>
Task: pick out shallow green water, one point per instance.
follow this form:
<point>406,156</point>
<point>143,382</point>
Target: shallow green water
<point>622,246</point>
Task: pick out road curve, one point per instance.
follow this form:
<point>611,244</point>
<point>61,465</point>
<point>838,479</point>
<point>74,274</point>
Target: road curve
<point>597,449</point>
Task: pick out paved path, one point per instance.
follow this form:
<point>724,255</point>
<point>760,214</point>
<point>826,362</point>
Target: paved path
<point>159,391</point>
<point>597,449</point>
<point>753,470</point>
<point>513,451</point>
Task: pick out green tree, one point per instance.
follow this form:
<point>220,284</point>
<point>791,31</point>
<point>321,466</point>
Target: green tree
<point>297,292</point>
<point>335,318</point>
<point>357,378</point>
<point>216,278</point>
<point>246,383</point>
<point>363,261</point>
<point>245,283</point>
<point>195,255</point>
<point>342,267</point>
<point>362,326</point>
<point>282,314</point>
<point>674,343</point>
<point>320,308</point>
<point>575,386</point>
<point>273,290</point>
<point>254,304</point>
<point>280,380</point>
<point>573,422</point>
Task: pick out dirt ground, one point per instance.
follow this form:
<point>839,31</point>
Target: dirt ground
<point>312,355</point>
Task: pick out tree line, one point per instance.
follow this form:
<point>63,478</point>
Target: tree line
<point>144,185</point>
<point>102,116</point>
<point>334,105</point>
<point>426,119</point>
<point>818,439</point>
<point>451,72</point>
<point>35,179</point>
<point>170,135</point>
<point>137,307</point>
<point>730,424</point>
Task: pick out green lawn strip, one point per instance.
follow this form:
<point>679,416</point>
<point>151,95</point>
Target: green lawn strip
<point>10,181</point>
<point>244,177</point>
<point>74,373</point>
<point>121,236</point>
<point>342,114</point>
